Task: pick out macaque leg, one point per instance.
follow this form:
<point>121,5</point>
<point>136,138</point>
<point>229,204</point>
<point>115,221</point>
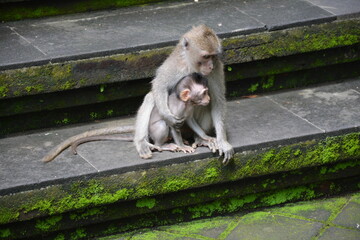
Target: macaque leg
<point>141,134</point>
<point>202,138</point>
<point>176,134</point>
<point>159,132</point>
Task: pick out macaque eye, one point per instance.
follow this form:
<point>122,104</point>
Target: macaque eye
<point>199,63</point>
<point>207,57</point>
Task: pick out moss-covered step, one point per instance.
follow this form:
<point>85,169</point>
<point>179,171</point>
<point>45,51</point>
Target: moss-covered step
<point>19,10</point>
<point>266,74</point>
<point>106,204</point>
<point>329,217</point>
<point>142,64</point>
<point>92,89</point>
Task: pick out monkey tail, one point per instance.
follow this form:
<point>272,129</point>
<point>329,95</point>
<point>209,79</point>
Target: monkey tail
<point>97,132</point>
<point>75,144</point>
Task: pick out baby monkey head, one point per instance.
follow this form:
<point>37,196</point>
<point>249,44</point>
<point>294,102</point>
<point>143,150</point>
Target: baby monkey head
<point>193,89</point>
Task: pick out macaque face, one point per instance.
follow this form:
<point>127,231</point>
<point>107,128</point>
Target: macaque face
<point>205,98</point>
<point>206,62</point>
<point>202,61</point>
<point>200,95</point>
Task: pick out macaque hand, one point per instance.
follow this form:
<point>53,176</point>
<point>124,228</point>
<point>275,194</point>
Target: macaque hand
<point>212,144</point>
<point>174,121</point>
<point>227,150</point>
<point>207,141</point>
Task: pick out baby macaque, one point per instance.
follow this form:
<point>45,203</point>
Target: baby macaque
<point>190,92</point>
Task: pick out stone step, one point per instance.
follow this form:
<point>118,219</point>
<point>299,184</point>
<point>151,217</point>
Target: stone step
<point>290,145</point>
<point>72,66</point>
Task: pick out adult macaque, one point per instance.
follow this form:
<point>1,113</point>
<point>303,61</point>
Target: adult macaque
<point>189,92</point>
<point>197,51</point>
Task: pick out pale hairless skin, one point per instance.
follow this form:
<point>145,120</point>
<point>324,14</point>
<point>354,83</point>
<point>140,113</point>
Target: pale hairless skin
<point>191,91</point>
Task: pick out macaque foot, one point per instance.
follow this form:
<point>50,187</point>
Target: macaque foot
<point>172,147</point>
<point>145,149</point>
<point>186,149</point>
<point>210,142</point>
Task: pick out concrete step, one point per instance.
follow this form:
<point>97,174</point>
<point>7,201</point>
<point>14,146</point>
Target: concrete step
<point>65,69</point>
<point>325,219</point>
<point>292,145</point>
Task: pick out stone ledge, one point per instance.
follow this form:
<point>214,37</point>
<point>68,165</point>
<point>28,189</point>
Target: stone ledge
<point>291,145</point>
<point>259,177</point>
<point>142,64</point>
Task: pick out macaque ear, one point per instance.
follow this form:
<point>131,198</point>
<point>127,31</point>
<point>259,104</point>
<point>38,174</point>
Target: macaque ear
<point>185,43</point>
<point>185,95</point>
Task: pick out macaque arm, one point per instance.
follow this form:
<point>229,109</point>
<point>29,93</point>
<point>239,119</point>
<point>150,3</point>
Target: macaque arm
<point>160,88</point>
<point>103,131</point>
<point>218,112</point>
<point>197,129</point>
<point>205,139</point>
<point>176,134</point>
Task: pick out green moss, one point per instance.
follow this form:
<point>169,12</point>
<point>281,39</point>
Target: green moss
<point>339,167</point>
<point>48,224</point>
<point>205,210</point>
<point>290,41</point>
<point>60,237</point>
<point>34,89</point>
<point>236,203</point>
<point>173,185</point>
<point>6,215</point>
<point>198,226</point>
<point>68,85</point>
<point>300,207</point>
<point>211,173</point>
<point>92,194</point>
<point>61,71</point>
<point>356,197</point>
<point>146,202</point>
<point>269,83</point>
<point>110,112</point>
<point>288,195</point>
<point>253,88</point>
<point>94,115</point>
<point>177,211</point>
<point>253,217</point>
<point>87,213</point>
<point>5,233</point>
<point>78,234</point>
<point>3,90</point>
<point>307,154</point>
<point>297,152</point>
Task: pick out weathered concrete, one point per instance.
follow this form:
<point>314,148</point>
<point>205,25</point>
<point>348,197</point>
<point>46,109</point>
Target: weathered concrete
<point>142,64</point>
<point>281,156</point>
<point>103,58</point>
<point>291,221</point>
